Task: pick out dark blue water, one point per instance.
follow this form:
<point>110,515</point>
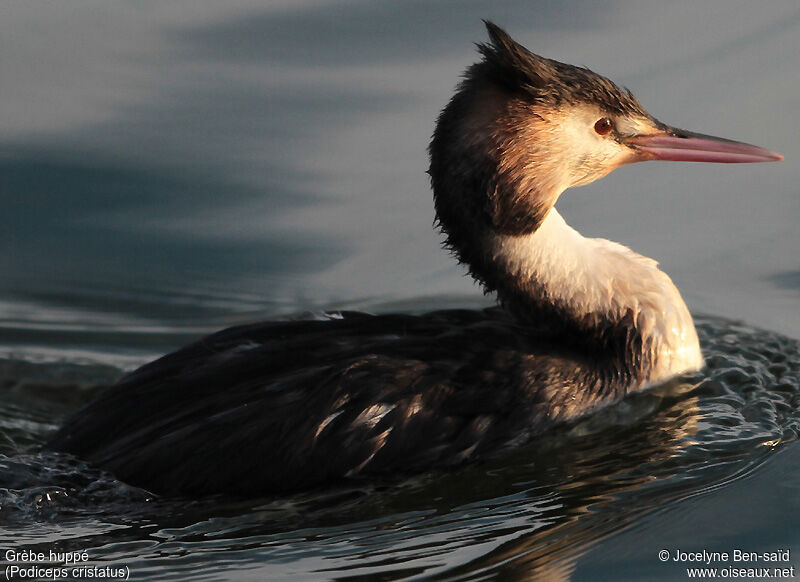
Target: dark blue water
<point>172,168</point>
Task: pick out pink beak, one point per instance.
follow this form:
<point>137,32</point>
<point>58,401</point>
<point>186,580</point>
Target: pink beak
<point>678,145</point>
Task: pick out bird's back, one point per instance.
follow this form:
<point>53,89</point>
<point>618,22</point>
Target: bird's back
<point>282,406</point>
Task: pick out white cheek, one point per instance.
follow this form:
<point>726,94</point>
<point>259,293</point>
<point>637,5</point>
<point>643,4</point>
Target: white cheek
<point>583,142</point>
<point>608,148</point>
<point>578,131</point>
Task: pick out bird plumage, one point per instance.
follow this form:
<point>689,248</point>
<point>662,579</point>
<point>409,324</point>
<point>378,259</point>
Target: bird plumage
<point>283,406</point>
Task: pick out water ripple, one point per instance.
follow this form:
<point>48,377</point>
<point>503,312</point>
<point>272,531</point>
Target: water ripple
<point>533,513</point>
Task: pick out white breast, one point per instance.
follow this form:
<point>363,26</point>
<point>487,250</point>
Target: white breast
<point>601,277</point>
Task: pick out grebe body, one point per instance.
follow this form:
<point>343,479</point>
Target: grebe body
<point>277,407</point>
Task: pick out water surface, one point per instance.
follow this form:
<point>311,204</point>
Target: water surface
<point>172,168</point>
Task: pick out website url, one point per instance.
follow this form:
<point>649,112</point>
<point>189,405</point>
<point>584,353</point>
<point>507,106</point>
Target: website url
<point>741,572</point>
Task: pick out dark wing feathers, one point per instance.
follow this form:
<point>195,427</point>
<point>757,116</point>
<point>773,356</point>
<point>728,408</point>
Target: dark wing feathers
<point>282,406</point>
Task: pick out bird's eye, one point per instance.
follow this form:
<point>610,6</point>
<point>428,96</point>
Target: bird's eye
<point>603,126</point>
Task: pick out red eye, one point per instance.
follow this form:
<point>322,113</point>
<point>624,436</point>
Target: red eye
<point>604,126</point>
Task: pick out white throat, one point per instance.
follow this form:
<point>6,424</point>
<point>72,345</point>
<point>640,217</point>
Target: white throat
<point>597,279</point>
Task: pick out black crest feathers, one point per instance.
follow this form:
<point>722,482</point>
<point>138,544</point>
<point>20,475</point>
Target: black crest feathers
<point>510,64</point>
<point>513,67</point>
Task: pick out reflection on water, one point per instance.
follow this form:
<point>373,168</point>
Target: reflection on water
<point>786,280</point>
<point>369,33</point>
<point>80,224</point>
<point>531,514</point>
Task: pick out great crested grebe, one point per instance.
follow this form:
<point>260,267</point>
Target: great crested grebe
<point>287,405</point>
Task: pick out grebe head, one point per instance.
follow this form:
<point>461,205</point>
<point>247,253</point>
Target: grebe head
<point>521,129</point>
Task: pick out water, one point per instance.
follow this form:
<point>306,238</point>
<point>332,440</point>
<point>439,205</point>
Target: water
<point>172,168</point>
